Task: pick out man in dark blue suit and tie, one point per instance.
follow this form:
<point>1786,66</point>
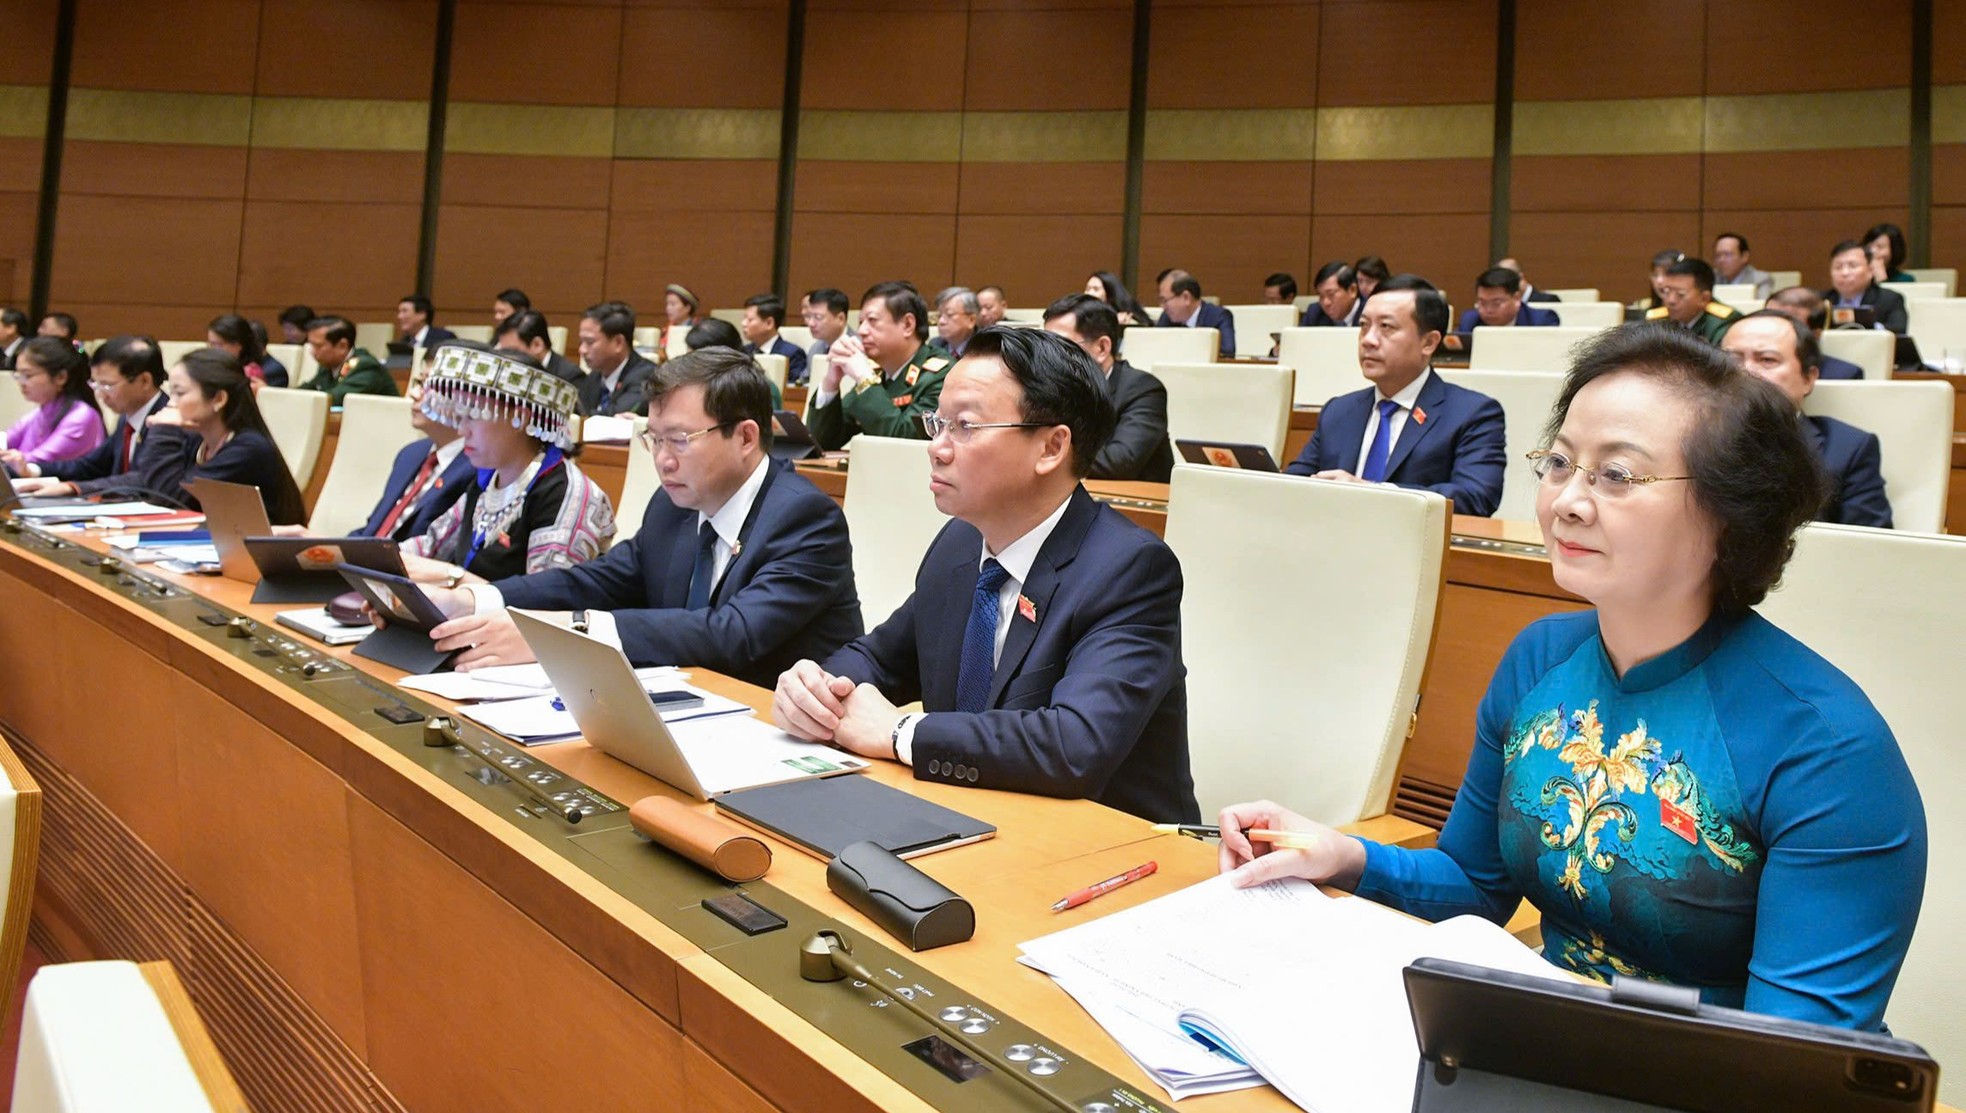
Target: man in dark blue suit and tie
<point>1044,634</point>
<point>1778,348</point>
<point>1499,304</point>
<point>428,476</point>
<point>1410,428</point>
<point>1336,287</point>
<point>741,565</point>
<point>1181,307</point>
<point>1808,308</point>
<point>413,325</point>
<point>764,315</point>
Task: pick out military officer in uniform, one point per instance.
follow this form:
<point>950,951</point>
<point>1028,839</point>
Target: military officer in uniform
<point>1687,290</point>
<point>882,379</point>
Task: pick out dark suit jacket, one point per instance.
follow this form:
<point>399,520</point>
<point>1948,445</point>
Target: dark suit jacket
<point>1314,317</point>
<point>1139,448</point>
<point>157,465</point>
<point>7,358</point>
<point>1525,316</point>
<point>1855,465</point>
<point>631,394</point>
<point>1539,295</point>
<point>1889,305</point>
<point>415,522</point>
<point>433,335</point>
<point>788,595</point>
<point>1457,451</point>
<point>273,370</point>
<point>1834,368</point>
<point>795,357</point>
<point>562,367</point>
<point>1212,316</point>
<point>1089,699</point>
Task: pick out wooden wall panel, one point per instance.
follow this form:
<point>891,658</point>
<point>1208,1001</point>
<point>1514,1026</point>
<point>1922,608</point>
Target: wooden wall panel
<point>1609,250</point>
<point>1371,52</point>
<point>741,41</point>
<point>1566,50</point>
<point>1233,56</point>
<point>1226,188</point>
<point>30,33</point>
<point>376,49</point>
<point>852,251</point>
<point>1035,258</point>
<point>1872,178</point>
<point>1605,183</point>
<point>1446,249</point>
<point>1774,46</point>
<point>1229,255</point>
<point>356,259</point>
<point>1049,56</point>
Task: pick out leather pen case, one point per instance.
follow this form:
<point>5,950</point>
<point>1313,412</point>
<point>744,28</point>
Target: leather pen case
<point>909,904</point>
<point>724,849</point>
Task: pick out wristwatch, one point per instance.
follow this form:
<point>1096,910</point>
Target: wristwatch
<point>579,622</point>
<point>456,577</point>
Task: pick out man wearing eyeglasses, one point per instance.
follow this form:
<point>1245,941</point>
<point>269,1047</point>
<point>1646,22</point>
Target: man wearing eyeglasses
<point>881,379</point>
<point>741,565</point>
<point>1043,637</point>
<point>127,374</point>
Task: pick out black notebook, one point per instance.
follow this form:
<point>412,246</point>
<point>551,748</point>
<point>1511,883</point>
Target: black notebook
<point>826,815</point>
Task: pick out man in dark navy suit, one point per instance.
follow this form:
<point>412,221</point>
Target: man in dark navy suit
<point>1138,448</point>
<point>1808,309</point>
<point>1336,287</point>
<point>1776,347</point>
<point>617,379</point>
<point>413,325</point>
<point>1410,428</point>
<point>526,330</point>
<point>1044,634</point>
<point>1851,286</point>
<point>1499,304</point>
<point>764,315</point>
<point>1181,307</point>
<point>428,476</point>
<point>741,565</point>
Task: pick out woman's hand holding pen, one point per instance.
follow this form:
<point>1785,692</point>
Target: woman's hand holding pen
<point>1318,853</point>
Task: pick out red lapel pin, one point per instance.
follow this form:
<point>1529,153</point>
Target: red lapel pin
<point>1026,608</point>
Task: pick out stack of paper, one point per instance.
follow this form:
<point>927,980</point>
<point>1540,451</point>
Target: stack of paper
<point>1216,988</point>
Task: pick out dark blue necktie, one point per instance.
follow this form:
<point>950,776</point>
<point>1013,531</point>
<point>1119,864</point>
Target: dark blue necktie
<point>979,660</point>
<point>706,561</point>
<point>1382,445</point>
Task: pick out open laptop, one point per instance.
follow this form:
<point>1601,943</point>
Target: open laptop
<point>612,707</point>
<point>1227,454</point>
<point>10,498</point>
<point>233,512</point>
<point>790,439</point>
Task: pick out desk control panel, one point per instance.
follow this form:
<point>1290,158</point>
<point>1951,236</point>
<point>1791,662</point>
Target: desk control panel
<point>591,831</point>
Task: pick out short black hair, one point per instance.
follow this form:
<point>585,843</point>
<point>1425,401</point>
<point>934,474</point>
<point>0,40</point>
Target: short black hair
<point>131,356</point>
<point>1286,284</point>
<point>1697,269</point>
<point>1808,350</point>
<point>1180,282</point>
<point>1339,269</point>
<point>1807,299</point>
<point>1373,267</point>
<point>981,290</point>
<point>67,322</point>
<point>1895,236</point>
<point>527,324</point>
<point>1429,304</point>
<point>1851,245</point>
<point>340,329</point>
<point>1500,278</point>
<point>1667,257</point>
<point>13,318</point>
<point>516,298</point>
<point>834,300</point>
<point>1736,237</point>
<point>769,306</point>
<point>299,316</point>
<point>419,303</point>
<point>1091,318</point>
<point>734,389</point>
<point>713,332</point>
<point>234,329</point>
<point>1754,473</point>
<point>615,318</point>
<point>901,299</point>
<point>1062,386</point>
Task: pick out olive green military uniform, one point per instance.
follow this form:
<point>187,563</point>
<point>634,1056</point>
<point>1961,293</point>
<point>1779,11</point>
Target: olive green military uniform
<point>882,405</point>
<point>360,373</point>
<point>1709,324</point>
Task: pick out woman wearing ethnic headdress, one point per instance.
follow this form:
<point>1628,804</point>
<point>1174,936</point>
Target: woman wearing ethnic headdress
<point>531,507</point>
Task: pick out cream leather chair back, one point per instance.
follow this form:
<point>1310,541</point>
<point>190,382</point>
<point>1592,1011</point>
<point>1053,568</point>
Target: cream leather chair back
<point>1145,346</point>
<point>1576,293</point>
<point>637,487</point>
<point>482,334</point>
<point>647,337</point>
<point>1785,279</point>
<point>1526,349</point>
<point>1913,423</point>
<point>734,316</point>
<point>1266,558</point>
<point>1945,276</point>
<point>373,430</point>
<point>1241,403</point>
<point>1527,398</point>
<point>1255,323</point>
<point>14,406</point>
<point>1874,350</point>
<point>171,351</point>
<point>291,357</point>
<point>1939,326</point>
<point>1886,608</point>
<point>1326,362</point>
<point>1918,291</point>
<point>774,368</point>
<point>891,517</point>
<point>99,1037</point>
<point>1585,314</point>
<point>673,344</point>
<point>298,420</point>
<point>20,856</point>
<point>1735,293</point>
<point>797,334</point>
<point>1026,316</point>
<point>375,337</point>
<point>556,335</point>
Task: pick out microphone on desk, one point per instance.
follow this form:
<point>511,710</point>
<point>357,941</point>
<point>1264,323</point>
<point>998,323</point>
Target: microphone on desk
<point>825,956</point>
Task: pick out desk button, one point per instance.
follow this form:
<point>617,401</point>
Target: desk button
<point>976,1026</point>
<point>904,991</point>
<point>934,767</point>
<point>1020,1052</point>
<point>962,771</point>
<point>1042,1066</point>
<point>1099,1107</point>
<point>954,1013</point>
<point>972,775</point>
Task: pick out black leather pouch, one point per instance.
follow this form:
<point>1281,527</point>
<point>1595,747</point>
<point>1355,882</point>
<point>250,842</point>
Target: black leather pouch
<point>912,906</point>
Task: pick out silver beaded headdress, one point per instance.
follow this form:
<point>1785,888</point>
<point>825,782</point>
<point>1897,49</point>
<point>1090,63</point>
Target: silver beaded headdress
<point>468,383</point>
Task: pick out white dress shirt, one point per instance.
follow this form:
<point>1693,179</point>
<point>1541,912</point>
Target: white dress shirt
<point>1406,400</point>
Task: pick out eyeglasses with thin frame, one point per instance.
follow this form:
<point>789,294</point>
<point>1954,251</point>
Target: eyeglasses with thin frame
<point>961,429</point>
<point>1610,480</point>
<point>678,443</point>
<point>24,376</point>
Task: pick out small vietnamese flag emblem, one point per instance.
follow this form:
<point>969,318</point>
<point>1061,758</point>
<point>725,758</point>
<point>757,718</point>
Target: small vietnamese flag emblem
<point>1026,608</point>
<point>1419,416</point>
<point>1679,821</point>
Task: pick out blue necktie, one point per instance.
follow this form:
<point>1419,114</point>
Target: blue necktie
<point>1382,445</point>
<point>706,560</point>
<point>979,662</point>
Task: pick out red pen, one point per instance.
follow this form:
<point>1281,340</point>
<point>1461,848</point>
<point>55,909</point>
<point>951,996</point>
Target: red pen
<point>1106,886</point>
